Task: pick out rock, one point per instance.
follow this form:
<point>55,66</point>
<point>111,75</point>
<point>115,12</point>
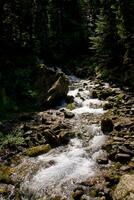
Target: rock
<point>58,91</point>
<point>66,136</point>
<point>119,139</point>
<point>6,190</point>
<point>122,157</point>
<point>5,174</point>
<point>101,157</point>
<point>86,197</point>
<point>77,194</point>
<point>107,125</point>
<point>35,151</point>
<point>102,160</point>
<point>94,94</point>
<point>125,188</point>
<point>124,149</point>
<point>105,93</point>
<point>125,168</point>
<point>107,106</point>
<point>51,138</point>
<point>52,86</point>
<point>68,114</point>
<point>69,99</point>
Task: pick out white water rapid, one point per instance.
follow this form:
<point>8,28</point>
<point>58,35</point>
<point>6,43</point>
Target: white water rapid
<point>65,167</point>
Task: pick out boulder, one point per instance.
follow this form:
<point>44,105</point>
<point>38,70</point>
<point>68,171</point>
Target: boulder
<point>107,125</point>
<point>107,106</point>
<point>68,114</point>
<point>58,91</point>
<point>125,188</point>
<point>51,86</point>
<point>51,138</point>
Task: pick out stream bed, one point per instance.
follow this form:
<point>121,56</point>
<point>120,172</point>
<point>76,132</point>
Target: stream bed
<point>57,173</point>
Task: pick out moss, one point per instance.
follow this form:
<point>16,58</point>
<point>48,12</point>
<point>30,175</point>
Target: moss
<point>70,106</point>
<point>35,151</point>
<point>93,192</point>
<point>3,190</point>
<point>5,173</point>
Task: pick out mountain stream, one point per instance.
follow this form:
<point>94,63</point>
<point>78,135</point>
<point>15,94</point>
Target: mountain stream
<point>62,169</point>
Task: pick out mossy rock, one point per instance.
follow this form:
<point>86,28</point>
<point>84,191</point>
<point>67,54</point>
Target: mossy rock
<point>70,106</point>
<point>38,150</point>
<point>3,190</point>
<point>5,174</point>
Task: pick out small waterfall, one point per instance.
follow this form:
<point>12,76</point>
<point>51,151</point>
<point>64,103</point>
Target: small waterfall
<point>63,168</point>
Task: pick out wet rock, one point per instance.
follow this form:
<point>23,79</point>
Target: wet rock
<point>68,114</point>
<point>107,125</point>
<point>77,194</point>
<point>35,151</point>
<point>64,136</point>
<point>105,93</point>
<point>107,106</point>
<point>122,157</point>
<point>51,138</point>
<point>125,188</point>
<point>119,139</point>
<point>69,99</point>
<point>94,94</point>
<point>124,149</point>
<point>102,159</point>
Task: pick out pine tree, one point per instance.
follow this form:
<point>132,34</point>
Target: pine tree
<point>105,41</point>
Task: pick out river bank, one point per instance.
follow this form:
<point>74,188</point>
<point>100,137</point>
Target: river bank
<point>88,144</point>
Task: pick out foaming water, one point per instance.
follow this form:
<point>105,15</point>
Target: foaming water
<point>70,167</point>
<point>64,167</point>
<point>83,101</point>
<point>86,109</point>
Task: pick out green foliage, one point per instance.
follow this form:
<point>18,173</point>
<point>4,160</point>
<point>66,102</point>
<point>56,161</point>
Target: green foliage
<point>13,138</point>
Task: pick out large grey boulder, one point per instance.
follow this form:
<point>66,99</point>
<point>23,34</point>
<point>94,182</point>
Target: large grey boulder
<point>52,86</point>
<point>125,188</point>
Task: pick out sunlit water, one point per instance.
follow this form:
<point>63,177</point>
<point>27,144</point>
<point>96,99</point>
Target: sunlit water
<point>71,164</point>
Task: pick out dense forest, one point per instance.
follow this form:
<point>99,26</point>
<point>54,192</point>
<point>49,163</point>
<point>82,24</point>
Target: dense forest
<point>94,36</point>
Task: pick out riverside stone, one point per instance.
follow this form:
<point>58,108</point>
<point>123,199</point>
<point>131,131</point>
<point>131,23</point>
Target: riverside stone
<point>122,157</point>
<point>107,125</point>
<point>68,114</point>
<point>58,91</point>
<point>125,188</point>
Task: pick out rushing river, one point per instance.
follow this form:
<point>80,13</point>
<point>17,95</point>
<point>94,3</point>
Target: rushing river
<point>63,168</point>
